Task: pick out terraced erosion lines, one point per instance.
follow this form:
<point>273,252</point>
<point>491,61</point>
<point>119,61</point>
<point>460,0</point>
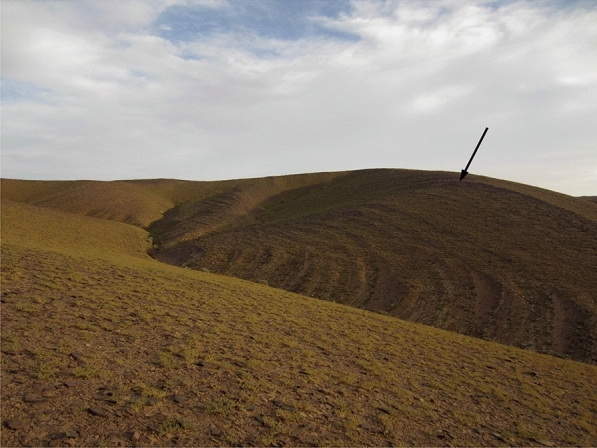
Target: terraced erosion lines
<point>486,258</point>
<point>104,346</point>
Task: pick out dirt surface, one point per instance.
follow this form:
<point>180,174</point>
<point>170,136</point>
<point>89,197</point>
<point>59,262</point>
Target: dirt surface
<point>103,346</point>
<point>102,354</point>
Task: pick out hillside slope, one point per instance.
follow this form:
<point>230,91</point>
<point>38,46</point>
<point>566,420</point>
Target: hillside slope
<point>36,227</point>
<point>487,258</point>
<point>141,202</point>
<point>115,349</point>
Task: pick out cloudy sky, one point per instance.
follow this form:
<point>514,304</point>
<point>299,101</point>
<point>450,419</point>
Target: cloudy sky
<point>220,89</point>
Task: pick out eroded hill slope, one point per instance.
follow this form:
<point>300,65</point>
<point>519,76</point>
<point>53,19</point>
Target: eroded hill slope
<point>483,257</point>
<point>115,349</point>
<point>486,258</point>
<point>141,202</point>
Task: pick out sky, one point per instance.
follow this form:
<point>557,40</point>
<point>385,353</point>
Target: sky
<point>225,89</point>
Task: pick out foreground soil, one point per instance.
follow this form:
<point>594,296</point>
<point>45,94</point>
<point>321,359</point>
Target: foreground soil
<point>127,352</point>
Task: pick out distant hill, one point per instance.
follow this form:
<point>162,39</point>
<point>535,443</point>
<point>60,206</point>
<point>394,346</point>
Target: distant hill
<point>483,257</point>
<point>103,346</point>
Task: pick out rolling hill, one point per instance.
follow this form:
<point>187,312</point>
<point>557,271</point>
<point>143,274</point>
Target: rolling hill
<point>104,346</point>
<point>487,258</point>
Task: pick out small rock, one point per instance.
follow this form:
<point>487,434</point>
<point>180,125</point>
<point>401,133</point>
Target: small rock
<point>282,405</point>
<point>544,442</point>
<point>50,393</point>
<point>152,401</point>
<point>384,409</point>
<point>98,412</point>
<point>33,398</point>
<point>43,417</point>
<point>179,398</point>
<point>134,435</point>
<point>77,356</point>
<point>250,408</point>
<point>90,441</point>
<point>29,440</point>
<point>206,365</point>
<point>215,432</point>
<point>72,434</point>
<point>259,419</point>
<point>71,383</point>
<point>17,424</point>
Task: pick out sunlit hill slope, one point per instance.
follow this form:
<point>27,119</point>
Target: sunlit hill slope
<point>104,346</point>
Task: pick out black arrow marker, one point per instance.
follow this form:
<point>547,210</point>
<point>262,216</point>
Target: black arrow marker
<point>464,172</point>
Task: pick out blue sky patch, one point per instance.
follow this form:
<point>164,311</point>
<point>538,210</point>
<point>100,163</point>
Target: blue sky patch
<point>14,90</point>
<point>284,20</point>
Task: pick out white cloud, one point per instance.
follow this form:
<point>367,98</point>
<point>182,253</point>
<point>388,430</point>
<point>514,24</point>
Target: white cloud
<point>110,98</point>
<point>432,101</point>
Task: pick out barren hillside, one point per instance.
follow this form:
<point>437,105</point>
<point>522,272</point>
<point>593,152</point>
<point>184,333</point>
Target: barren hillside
<point>103,346</point>
<point>483,257</point>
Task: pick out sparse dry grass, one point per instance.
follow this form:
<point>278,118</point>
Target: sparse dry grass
<point>276,367</point>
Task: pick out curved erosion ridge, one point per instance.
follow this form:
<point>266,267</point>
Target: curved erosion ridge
<point>485,258</point>
<point>482,257</point>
